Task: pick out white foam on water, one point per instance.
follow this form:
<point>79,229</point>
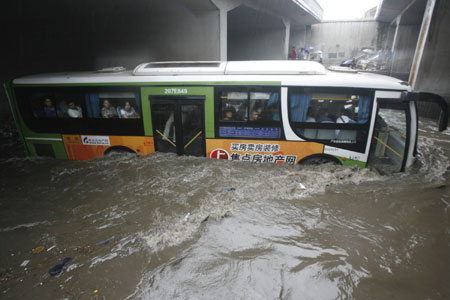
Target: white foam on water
<point>26,225</point>
<point>73,267</point>
<point>122,248</point>
<point>98,260</point>
<point>177,229</point>
<point>433,162</point>
<point>390,228</point>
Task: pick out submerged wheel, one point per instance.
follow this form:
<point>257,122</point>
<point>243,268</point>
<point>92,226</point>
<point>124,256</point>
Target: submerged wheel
<point>118,149</point>
<point>320,159</point>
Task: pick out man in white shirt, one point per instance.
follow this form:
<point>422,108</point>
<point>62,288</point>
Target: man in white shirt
<point>74,111</point>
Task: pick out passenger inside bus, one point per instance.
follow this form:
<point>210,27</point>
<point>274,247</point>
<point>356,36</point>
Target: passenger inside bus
<point>229,114</point>
<point>311,115</point>
<point>49,108</point>
<point>108,111</point>
<point>254,116</point>
<point>128,112</point>
<point>324,116</point>
<point>74,111</point>
<point>345,116</point>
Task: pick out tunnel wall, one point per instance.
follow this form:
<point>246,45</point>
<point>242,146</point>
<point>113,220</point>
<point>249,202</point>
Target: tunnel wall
<point>65,35</point>
<point>258,45</point>
<point>342,40</point>
<point>404,48</point>
<point>298,38</point>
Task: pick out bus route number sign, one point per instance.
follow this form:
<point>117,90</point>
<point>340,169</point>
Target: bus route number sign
<point>175,91</point>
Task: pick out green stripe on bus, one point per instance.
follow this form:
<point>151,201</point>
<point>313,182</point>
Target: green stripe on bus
<point>350,163</point>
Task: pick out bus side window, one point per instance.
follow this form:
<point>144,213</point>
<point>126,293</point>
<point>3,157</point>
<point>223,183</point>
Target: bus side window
<point>249,105</point>
<point>310,107</point>
<point>49,105</point>
<point>264,106</point>
<point>113,105</point>
<point>233,106</point>
<point>336,108</point>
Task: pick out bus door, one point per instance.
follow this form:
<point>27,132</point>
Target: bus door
<point>178,124</point>
<point>390,137</point>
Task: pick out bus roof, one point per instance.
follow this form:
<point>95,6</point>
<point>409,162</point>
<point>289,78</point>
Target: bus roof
<point>287,73</point>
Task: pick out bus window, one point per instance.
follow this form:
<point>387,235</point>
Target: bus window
<point>248,112</point>
<point>328,116</point>
<point>44,106</point>
<point>264,107</point>
<point>113,105</point>
<point>55,105</point>
<point>335,108</point>
<point>234,106</point>
<point>254,106</point>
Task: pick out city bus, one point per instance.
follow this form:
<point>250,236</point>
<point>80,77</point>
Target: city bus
<point>280,112</point>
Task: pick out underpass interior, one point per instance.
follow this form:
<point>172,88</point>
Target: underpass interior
<point>254,35</point>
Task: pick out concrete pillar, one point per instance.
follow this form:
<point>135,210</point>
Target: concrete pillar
<point>287,24</point>
<point>390,36</point>
<point>433,73</point>
<point>224,7</point>
<point>223,34</point>
<point>394,42</point>
<point>421,42</point>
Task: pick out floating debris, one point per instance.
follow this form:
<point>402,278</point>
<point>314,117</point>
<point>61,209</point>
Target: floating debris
<point>38,249</point>
<point>59,267</point>
<point>104,242</point>
<point>24,263</point>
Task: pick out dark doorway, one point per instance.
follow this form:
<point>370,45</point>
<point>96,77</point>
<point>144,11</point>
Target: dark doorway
<point>178,125</point>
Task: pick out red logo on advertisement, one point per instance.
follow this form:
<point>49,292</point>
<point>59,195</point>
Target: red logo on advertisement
<point>219,154</point>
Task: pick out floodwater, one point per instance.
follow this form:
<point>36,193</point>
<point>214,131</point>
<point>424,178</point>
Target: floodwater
<point>168,227</point>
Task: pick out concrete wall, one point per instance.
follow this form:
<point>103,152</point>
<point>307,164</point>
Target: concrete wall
<point>343,39</point>
<point>255,35</point>
<point>64,35</point>
<point>404,48</point>
<point>257,45</point>
<point>298,38</point>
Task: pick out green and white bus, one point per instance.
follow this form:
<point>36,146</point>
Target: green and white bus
<point>283,112</point>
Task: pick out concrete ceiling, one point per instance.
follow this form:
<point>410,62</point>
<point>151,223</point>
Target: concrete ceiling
<point>299,12</point>
<point>245,18</point>
<point>412,11</point>
<point>390,9</point>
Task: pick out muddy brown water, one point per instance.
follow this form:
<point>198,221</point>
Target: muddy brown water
<point>194,228</point>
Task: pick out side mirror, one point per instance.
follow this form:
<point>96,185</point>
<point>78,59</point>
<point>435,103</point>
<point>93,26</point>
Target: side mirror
<point>433,98</point>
